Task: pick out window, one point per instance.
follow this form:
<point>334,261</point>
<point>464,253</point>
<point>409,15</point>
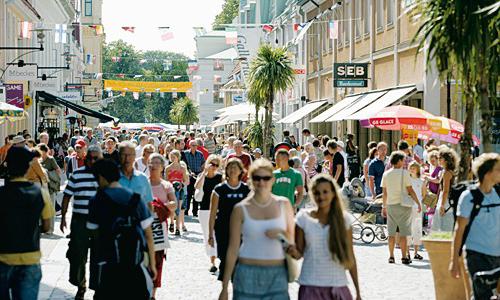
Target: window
<point>380,14</point>
<point>347,23</point>
<point>390,12</point>
<point>358,6</point>
<point>367,16</point>
<point>88,8</point>
<point>217,94</point>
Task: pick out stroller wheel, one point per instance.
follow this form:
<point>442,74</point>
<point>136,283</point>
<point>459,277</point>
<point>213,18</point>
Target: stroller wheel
<point>381,233</point>
<point>356,231</point>
<point>367,235</point>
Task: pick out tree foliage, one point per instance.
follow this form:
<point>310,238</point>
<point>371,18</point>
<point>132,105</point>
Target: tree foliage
<point>153,66</point>
<point>270,72</point>
<point>461,40</point>
<point>184,111</point>
<point>229,11</point>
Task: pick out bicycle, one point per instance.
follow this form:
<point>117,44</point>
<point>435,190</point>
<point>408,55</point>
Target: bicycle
<point>368,234</point>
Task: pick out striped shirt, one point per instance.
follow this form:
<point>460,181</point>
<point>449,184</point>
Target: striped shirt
<point>82,185</point>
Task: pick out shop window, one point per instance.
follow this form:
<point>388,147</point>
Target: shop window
<point>380,14</point>
<point>217,94</point>
<point>88,8</point>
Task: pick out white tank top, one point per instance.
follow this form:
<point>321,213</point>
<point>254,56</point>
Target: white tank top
<point>255,244</point>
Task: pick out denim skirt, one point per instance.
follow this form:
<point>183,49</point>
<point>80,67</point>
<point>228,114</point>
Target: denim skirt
<point>260,282</point>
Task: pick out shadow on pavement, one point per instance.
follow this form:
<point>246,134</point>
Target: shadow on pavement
<point>50,292</point>
<point>372,245</point>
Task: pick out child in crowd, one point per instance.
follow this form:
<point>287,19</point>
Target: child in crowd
<point>328,226</point>
<point>418,185</point>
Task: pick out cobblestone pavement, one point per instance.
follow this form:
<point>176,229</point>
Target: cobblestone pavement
<point>186,275</point>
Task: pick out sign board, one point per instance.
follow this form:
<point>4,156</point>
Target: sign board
<point>300,71</point>
<point>350,75</point>
<point>15,73</point>
<point>237,99</point>
<point>27,101</point>
<point>44,85</point>
<point>14,94</point>
<point>70,96</point>
<point>410,136</point>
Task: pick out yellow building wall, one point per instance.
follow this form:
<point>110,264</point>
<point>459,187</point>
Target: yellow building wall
<point>384,73</point>
<point>411,68</point>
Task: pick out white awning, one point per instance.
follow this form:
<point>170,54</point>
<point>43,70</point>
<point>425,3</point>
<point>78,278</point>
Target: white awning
<point>302,112</point>
<point>391,97</point>
<point>363,101</point>
<point>334,109</point>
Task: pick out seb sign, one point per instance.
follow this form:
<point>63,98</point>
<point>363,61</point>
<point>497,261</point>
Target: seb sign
<point>350,75</point>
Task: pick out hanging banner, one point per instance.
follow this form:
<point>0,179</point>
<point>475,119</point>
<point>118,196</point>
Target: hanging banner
<point>410,136</point>
<point>15,73</point>
<point>147,86</point>
<point>14,94</point>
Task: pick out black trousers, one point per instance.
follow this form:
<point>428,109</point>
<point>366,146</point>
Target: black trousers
<point>190,197</point>
<point>477,262</point>
<point>222,238</point>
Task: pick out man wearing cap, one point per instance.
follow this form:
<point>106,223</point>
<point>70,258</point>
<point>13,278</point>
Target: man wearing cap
<point>78,159</point>
<point>82,186</point>
<point>257,153</point>
<point>20,214</point>
<point>209,143</point>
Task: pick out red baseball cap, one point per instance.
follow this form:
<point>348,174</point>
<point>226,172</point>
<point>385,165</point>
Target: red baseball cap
<point>80,143</point>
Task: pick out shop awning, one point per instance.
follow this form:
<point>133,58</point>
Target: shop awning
<point>395,95</point>
<point>54,100</point>
<point>362,102</point>
<point>302,112</point>
<point>322,117</point>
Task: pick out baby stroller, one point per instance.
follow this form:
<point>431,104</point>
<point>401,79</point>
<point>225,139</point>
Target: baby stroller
<point>370,213</point>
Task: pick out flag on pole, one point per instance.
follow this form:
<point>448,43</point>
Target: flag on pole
<point>99,30</point>
<point>26,28</point>
<point>333,28</point>
<point>298,26</point>
<point>60,33</point>
<point>231,36</point>
<point>130,29</point>
<point>268,28</point>
<point>165,33</point>
<point>217,78</point>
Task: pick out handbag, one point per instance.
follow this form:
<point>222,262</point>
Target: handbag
<point>430,199</point>
<point>198,193</point>
<point>406,200</point>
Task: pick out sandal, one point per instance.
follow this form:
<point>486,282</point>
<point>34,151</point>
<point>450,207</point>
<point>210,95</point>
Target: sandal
<point>171,228</point>
<point>184,229</point>
<point>391,260</point>
<point>418,256</point>
<point>405,260</point>
<point>177,232</point>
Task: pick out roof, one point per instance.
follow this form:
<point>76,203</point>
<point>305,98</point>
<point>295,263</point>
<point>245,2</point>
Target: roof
<point>230,53</point>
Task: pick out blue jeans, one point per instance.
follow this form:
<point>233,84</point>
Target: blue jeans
<point>181,200</point>
<point>20,282</point>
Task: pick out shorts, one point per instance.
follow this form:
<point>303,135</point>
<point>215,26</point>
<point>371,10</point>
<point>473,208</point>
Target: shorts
<point>399,220</point>
<point>181,201</point>
<point>260,282</point>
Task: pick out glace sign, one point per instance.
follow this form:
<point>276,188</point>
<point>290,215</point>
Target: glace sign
<point>350,75</point>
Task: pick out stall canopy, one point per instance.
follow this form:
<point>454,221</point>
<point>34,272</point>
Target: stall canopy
<point>355,106</point>
<point>54,100</point>
<point>334,109</point>
<point>392,96</point>
<point>302,112</point>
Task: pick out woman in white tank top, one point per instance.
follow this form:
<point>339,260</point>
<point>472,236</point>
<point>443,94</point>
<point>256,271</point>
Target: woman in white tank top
<point>255,224</point>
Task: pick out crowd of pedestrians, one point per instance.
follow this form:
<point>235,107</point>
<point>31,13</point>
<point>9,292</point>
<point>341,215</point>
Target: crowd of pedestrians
<point>130,190</point>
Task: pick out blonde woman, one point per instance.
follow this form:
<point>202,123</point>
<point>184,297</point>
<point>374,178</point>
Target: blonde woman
<point>327,226</point>
<point>141,163</point>
<point>176,172</point>
<point>207,180</point>
<point>255,254</point>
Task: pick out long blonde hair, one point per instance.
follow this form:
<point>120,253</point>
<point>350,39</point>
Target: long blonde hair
<point>337,234</point>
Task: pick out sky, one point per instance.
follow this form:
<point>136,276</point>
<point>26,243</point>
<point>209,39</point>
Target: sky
<point>147,15</point>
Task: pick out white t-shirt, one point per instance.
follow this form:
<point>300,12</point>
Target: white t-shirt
<point>393,180</point>
<point>346,166</point>
<point>141,167</point>
<point>138,151</point>
<point>417,184</point>
<point>319,268</point>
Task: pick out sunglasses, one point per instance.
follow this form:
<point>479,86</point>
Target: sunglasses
<point>259,178</point>
<point>214,165</point>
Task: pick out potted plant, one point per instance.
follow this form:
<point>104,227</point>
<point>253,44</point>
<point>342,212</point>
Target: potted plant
<point>438,245</point>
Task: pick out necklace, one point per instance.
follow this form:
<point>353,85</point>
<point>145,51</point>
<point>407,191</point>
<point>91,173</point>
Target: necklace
<point>262,205</point>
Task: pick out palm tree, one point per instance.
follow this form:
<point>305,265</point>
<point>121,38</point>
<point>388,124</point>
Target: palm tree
<point>270,72</point>
<point>184,111</point>
<point>461,41</point>
<point>254,130</point>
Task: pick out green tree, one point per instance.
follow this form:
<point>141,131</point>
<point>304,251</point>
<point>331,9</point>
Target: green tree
<point>229,11</point>
<point>184,111</point>
<point>151,66</point>
<point>461,41</point>
<point>270,72</point>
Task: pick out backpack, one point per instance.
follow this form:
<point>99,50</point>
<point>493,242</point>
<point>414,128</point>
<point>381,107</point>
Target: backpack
<point>477,200</point>
<point>454,195</point>
<point>128,240</point>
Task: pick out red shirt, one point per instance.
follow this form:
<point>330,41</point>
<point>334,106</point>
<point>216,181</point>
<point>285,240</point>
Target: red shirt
<point>204,151</point>
<point>245,159</point>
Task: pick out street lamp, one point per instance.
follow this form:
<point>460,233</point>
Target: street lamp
<point>40,36</point>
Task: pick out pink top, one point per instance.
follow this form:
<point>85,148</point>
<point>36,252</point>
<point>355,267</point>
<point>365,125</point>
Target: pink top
<point>176,175</point>
<point>162,190</point>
